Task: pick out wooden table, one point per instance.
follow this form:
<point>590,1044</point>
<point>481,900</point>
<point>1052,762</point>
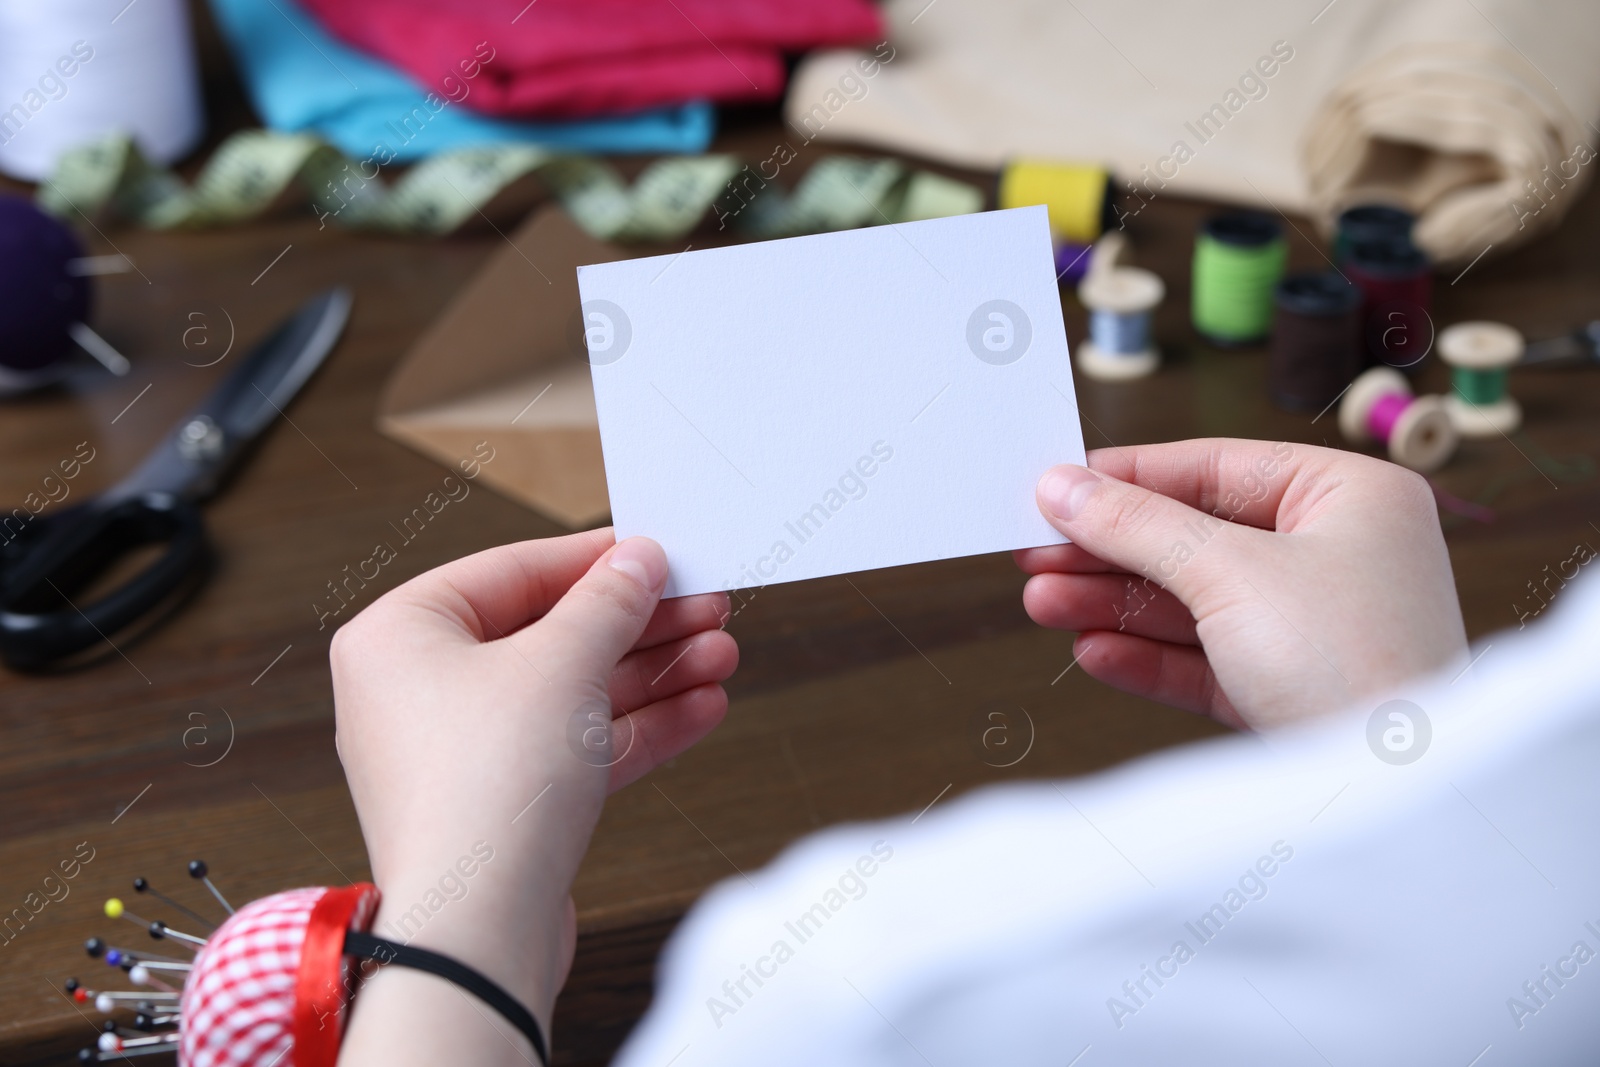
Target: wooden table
<point>856,699</point>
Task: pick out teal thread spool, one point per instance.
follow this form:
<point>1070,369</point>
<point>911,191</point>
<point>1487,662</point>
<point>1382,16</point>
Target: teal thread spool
<point>1238,260</point>
<point>1370,222</point>
<point>1480,354</point>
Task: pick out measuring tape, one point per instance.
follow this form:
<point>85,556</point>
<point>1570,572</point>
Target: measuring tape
<point>254,169</point>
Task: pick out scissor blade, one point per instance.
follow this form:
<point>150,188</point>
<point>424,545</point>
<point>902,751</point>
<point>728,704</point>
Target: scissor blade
<point>200,449</point>
<point>1582,346</point>
<point>277,367</point>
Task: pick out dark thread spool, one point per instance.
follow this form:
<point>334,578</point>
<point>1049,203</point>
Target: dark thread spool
<point>1370,222</point>
<point>1316,340</point>
<point>1396,294</point>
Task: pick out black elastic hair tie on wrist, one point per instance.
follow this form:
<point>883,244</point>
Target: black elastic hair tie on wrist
<point>381,951</point>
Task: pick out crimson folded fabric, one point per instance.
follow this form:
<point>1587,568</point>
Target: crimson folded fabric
<point>570,58</point>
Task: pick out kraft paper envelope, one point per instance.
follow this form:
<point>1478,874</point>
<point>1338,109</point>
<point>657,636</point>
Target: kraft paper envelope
<point>512,337</point>
<point>818,405</point>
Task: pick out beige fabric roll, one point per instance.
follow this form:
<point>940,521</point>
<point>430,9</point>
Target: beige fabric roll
<point>1470,137</point>
<point>1477,114</point>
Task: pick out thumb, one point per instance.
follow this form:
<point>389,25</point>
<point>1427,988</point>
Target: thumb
<point>604,613</point>
<point>1142,532</point>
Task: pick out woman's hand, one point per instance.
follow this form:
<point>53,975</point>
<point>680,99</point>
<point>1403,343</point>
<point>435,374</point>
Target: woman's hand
<point>1256,583</point>
<point>473,705</point>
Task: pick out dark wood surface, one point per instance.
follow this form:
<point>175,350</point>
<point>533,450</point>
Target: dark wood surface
<point>853,701</point>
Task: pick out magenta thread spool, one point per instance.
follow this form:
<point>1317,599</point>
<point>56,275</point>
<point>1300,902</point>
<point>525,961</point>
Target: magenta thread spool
<point>1397,290</point>
<point>1416,430</point>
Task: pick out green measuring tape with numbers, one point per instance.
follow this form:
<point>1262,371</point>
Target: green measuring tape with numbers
<point>255,169</point>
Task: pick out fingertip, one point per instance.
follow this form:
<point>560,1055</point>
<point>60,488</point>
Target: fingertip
<point>711,705</point>
<point>1064,490</point>
<point>666,730</point>
<point>726,653</point>
<point>642,560</point>
<point>1097,653</point>
<point>1036,600</point>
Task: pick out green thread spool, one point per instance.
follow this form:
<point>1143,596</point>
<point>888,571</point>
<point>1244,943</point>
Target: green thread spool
<point>1479,386</point>
<point>1480,355</point>
<point>1238,260</point>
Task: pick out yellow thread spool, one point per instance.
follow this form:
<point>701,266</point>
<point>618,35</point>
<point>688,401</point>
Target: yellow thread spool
<point>1078,195</point>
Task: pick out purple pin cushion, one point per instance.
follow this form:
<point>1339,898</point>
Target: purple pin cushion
<point>42,299</point>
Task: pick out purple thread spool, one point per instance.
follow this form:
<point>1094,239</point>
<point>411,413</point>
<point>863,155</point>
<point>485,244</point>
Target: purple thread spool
<point>1072,262</point>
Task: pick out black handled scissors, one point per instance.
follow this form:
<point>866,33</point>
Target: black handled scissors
<point>56,557</point>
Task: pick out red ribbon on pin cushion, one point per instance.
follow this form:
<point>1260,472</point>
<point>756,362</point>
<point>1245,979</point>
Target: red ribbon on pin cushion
<point>273,985</point>
<point>325,985</point>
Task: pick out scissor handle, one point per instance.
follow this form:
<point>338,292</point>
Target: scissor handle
<point>58,556</point>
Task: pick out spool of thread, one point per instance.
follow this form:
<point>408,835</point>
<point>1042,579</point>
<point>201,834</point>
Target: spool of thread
<point>1238,260</point>
<point>1416,430</point>
<point>72,71</point>
<point>47,298</point>
<point>1396,294</point>
<point>1073,261</point>
<point>1121,303</point>
<point>1480,355</point>
<point>1080,196</point>
<point>1316,340</point>
<point>1370,222</point>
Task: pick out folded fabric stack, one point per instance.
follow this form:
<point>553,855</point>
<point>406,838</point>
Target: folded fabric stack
<point>597,57</point>
<point>1479,118</point>
<point>409,79</point>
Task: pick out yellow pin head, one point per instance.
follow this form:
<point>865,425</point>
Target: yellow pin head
<point>113,908</point>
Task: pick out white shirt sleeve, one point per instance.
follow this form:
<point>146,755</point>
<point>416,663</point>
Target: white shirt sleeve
<point>1403,884</point>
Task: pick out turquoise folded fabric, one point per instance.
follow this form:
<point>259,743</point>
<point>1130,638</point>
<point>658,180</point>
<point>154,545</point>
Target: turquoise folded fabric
<point>303,80</point>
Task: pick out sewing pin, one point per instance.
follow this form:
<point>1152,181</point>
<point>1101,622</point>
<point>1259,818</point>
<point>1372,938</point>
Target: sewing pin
<point>197,869</point>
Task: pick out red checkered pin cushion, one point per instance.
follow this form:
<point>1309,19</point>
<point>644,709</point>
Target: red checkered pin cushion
<point>272,985</point>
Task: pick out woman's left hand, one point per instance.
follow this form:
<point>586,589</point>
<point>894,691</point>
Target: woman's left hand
<point>472,706</point>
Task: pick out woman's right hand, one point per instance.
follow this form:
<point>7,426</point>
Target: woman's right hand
<point>1253,582</point>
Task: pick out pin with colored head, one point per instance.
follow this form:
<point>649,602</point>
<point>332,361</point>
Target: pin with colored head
<point>160,930</point>
<point>142,885</point>
<point>198,870</point>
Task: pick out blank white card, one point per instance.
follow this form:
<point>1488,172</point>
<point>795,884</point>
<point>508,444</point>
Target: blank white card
<point>819,405</point>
